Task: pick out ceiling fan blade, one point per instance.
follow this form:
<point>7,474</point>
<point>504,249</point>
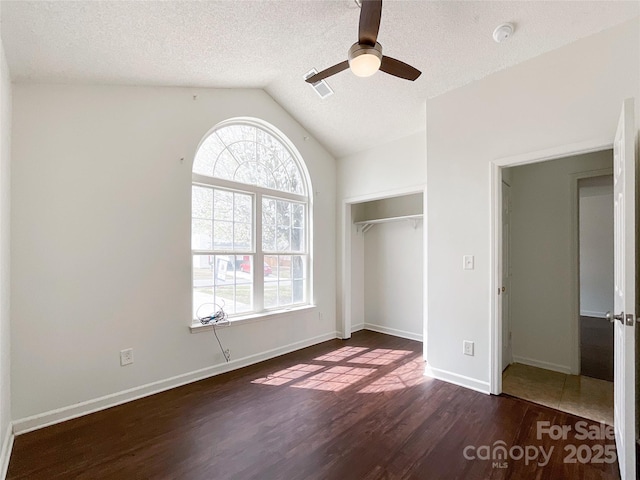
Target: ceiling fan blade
<point>328,72</point>
<point>399,69</point>
<point>370,14</point>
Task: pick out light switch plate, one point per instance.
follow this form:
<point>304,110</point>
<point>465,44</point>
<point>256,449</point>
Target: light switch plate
<point>468,262</point>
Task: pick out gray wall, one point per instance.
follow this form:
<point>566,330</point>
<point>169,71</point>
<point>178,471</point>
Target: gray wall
<point>543,259</point>
<point>596,246</point>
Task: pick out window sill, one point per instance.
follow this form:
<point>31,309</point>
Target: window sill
<point>254,317</point>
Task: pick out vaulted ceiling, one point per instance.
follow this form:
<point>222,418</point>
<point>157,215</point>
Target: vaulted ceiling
<point>271,44</point>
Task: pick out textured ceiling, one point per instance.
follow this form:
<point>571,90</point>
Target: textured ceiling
<point>270,44</point>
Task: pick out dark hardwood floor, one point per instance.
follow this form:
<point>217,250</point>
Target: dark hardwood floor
<point>356,409</point>
<point>596,348</point>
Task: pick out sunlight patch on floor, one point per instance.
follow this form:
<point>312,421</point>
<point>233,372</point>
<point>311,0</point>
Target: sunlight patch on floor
<point>340,354</point>
<point>288,374</point>
<point>335,378</point>
<point>380,356</point>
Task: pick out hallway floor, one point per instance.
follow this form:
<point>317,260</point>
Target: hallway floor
<point>576,394</point>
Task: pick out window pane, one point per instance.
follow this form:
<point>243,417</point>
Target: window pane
<point>236,133</point>
<point>223,205</point>
<point>282,179</point>
<point>299,273</point>
<point>242,208</point>
<point>268,211</point>
<point>299,266</point>
<point>201,234</point>
<point>202,302</point>
<point>297,240</point>
<point>271,282</point>
<point>298,215</point>
<point>284,293</point>
<point>270,294</point>
<point>284,266</point>
<point>222,281</point>
<point>294,175</point>
<point>268,238</point>
<point>250,155</point>
<point>246,173</point>
<point>283,212</point>
<point>225,298</point>
<point>201,202</point>
<point>242,236</point>
<point>203,274</point>
<point>225,166</point>
<point>284,280</point>
<point>207,155</point>
<point>222,235</point>
<point>287,284</point>
<point>283,241</point>
<point>265,178</point>
<point>243,152</point>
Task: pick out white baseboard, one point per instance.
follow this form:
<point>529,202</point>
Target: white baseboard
<point>59,415</point>
<point>5,451</point>
<point>589,313</point>
<point>532,362</point>
<point>457,379</point>
<point>392,331</point>
<point>357,327</point>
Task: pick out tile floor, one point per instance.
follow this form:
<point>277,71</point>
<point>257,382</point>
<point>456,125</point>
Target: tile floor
<point>583,396</point>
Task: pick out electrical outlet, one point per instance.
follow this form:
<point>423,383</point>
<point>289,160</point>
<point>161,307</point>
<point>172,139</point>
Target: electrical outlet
<point>227,354</point>
<point>467,347</point>
<point>468,262</point>
<point>126,357</point>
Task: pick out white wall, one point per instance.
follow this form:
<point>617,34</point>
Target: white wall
<point>402,205</point>
<point>596,246</point>
<point>394,168</point>
<point>570,95</point>
<point>378,171</point>
<point>5,217</point>
<point>101,240</point>
<point>543,259</point>
<point>393,273</point>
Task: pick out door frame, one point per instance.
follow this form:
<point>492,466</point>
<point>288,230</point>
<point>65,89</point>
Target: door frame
<point>508,289</point>
<point>349,232</point>
<point>574,191</point>
<point>495,219</point>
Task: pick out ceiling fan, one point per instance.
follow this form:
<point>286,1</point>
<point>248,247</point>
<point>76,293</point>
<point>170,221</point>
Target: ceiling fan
<point>365,56</point>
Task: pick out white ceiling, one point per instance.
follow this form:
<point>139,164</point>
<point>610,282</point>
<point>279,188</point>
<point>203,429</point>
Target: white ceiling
<point>270,44</point>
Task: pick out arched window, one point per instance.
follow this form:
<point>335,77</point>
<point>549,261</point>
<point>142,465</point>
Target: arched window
<point>249,221</point>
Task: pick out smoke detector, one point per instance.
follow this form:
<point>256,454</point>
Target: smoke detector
<point>503,32</point>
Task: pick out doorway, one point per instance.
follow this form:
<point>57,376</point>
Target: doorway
<point>625,268</point>
<point>595,240</point>
<point>542,295</point>
<point>383,260</point>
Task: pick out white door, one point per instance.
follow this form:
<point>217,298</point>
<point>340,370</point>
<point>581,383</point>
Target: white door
<point>506,275</point>
<point>625,290</point>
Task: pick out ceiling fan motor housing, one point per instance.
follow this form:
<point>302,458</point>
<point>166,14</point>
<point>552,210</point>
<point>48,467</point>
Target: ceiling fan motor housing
<point>365,60</point>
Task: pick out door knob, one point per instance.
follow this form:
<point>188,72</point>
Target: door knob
<point>612,318</point>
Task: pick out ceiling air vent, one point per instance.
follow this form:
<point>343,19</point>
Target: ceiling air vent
<point>322,88</point>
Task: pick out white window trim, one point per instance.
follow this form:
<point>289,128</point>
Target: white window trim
<point>256,317</point>
<point>259,313</point>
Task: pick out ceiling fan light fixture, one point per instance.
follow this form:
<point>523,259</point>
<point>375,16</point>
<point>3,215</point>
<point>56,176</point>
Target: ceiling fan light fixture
<point>365,60</point>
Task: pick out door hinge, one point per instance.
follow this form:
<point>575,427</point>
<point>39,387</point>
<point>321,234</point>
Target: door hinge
<point>629,319</point>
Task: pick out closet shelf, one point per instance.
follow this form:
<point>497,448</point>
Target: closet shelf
<point>366,225</point>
